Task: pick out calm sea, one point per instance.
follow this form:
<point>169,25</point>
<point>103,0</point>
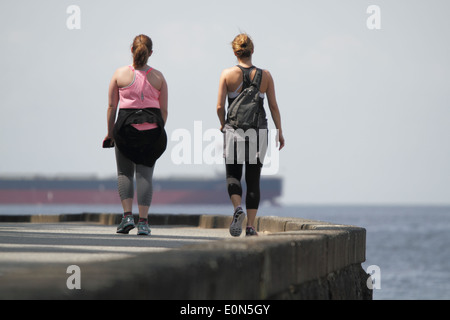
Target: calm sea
<point>409,245</point>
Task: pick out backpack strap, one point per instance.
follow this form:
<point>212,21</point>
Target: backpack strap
<point>246,79</point>
<point>257,79</point>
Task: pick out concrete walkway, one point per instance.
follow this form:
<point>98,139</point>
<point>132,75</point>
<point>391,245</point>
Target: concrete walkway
<point>188,257</point>
<point>30,245</point>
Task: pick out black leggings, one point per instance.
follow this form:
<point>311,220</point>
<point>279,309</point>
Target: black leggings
<point>252,179</point>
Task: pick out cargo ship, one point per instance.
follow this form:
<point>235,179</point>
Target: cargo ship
<point>86,190</point>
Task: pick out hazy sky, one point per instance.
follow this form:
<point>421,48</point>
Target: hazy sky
<point>365,112</point>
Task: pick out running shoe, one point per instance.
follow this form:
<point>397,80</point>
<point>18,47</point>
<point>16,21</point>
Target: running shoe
<point>236,224</point>
<point>143,229</point>
<point>126,225</point>
<point>250,231</point>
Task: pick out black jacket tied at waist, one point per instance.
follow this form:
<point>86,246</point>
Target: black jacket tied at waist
<point>141,147</point>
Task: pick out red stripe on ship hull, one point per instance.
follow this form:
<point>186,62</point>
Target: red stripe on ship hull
<point>107,197</point>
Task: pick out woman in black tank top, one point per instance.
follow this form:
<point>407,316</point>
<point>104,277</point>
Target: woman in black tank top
<point>233,81</point>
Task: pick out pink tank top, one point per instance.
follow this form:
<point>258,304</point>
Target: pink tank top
<point>140,94</point>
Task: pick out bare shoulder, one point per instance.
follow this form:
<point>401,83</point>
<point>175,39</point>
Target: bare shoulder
<point>156,79</point>
<point>122,75</point>
<point>157,74</point>
<point>123,70</point>
<point>267,81</point>
<point>232,77</point>
<point>266,73</point>
<point>233,71</point>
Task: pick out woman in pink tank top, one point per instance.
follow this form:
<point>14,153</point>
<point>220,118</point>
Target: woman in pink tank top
<point>142,88</point>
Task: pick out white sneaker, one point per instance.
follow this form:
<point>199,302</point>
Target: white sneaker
<point>236,224</point>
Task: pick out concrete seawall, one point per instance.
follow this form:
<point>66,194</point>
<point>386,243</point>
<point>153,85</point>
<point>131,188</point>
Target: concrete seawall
<point>293,259</point>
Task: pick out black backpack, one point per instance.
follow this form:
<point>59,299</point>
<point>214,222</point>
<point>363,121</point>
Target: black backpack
<point>243,112</point>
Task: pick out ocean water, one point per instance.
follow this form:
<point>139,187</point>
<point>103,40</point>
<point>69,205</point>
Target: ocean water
<point>409,245</point>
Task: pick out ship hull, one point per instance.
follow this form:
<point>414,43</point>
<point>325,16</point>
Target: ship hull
<point>104,191</point>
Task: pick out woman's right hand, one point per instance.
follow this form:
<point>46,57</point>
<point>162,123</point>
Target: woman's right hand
<point>280,140</point>
<point>108,142</point>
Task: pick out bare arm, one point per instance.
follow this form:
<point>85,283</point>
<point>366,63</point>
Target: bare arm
<point>221,99</point>
<point>274,110</point>
<point>113,100</point>
<point>163,99</point>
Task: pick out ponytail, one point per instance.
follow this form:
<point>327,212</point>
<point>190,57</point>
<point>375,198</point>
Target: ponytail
<point>142,48</point>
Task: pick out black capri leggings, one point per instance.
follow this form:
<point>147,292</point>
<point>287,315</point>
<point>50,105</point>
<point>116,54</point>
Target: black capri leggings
<point>252,179</point>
